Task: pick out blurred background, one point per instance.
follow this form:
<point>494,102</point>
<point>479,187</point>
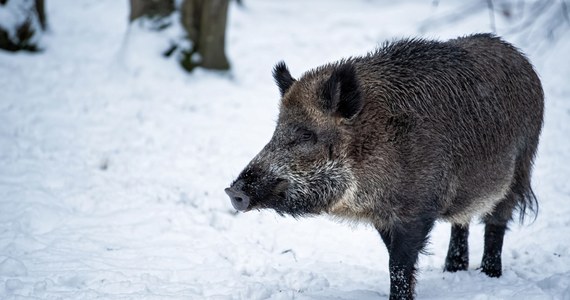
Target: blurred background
<point>121,122</point>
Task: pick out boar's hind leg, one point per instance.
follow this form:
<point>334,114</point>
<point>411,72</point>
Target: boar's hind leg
<point>458,253</point>
<point>404,242</point>
<point>495,227</point>
<point>519,197</point>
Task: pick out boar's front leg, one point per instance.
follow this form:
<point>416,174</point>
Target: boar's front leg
<point>404,242</point>
<point>386,237</point>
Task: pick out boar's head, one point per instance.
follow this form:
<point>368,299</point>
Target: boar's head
<point>305,168</point>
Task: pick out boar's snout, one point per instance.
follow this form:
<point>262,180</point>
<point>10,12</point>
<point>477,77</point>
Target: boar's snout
<point>256,188</point>
<point>240,200</point>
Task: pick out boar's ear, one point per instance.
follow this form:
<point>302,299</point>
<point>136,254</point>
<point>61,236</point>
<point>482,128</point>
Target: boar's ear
<point>341,92</point>
<point>282,77</point>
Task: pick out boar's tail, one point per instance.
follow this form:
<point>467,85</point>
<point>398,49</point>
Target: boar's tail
<point>527,203</point>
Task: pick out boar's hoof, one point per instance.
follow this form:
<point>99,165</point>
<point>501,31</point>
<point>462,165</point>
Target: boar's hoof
<point>240,200</point>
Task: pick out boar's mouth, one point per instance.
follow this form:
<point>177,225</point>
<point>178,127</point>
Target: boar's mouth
<point>275,197</point>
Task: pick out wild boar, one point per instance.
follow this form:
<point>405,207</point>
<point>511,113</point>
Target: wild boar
<point>414,132</point>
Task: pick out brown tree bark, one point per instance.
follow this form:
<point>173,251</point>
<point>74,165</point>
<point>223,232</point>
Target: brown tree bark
<point>150,8</point>
<point>205,23</point>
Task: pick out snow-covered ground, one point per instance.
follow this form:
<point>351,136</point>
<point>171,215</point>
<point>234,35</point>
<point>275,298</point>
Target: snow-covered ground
<point>113,163</point>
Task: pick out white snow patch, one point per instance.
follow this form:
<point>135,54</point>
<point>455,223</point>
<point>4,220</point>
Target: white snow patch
<point>10,267</point>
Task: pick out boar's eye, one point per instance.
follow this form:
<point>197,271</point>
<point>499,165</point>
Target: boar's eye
<point>305,135</point>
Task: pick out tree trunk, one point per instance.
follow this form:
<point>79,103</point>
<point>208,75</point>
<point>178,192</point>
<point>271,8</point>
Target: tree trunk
<point>152,9</point>
<point>205,24</point>
<point>213,35</point>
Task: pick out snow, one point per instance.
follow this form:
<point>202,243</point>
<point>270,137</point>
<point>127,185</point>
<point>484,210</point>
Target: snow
<point>12,268</point>
<point>113,163</point>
